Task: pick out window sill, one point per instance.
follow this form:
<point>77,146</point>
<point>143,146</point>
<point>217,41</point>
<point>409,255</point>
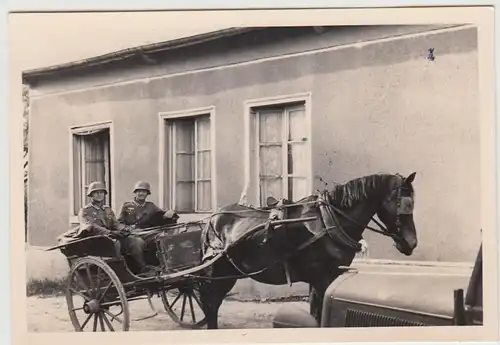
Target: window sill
<point>190,217</point>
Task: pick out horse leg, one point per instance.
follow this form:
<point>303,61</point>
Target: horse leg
<point>314,303</point>
<point>208,292</point>
<point>316,295</point>
<point>214,289</point>
<point>212,295</point>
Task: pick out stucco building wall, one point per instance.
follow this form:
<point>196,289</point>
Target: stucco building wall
<point>379,106</point>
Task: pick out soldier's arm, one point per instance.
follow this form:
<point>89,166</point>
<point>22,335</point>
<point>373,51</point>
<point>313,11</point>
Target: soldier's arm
<point>121,215</point>
<point>87,224</point>
<point>116,225</point>
<point>155,210</point>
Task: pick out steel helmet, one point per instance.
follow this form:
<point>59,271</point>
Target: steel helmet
<point>96,186</point>
<point>142,185</point>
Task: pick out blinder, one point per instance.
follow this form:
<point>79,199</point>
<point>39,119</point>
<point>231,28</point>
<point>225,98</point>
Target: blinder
<point>406,205</point>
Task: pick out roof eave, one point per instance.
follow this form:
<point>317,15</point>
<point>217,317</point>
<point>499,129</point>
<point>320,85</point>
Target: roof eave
<point>135,51</point>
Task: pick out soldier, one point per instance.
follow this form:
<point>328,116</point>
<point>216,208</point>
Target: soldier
<point>96,218</point>
<point>140,214</point>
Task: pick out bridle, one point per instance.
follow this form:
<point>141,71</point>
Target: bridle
<point>404,206</point>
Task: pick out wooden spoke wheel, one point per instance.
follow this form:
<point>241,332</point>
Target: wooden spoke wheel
<point>95,297</point>
<point>183,304</point>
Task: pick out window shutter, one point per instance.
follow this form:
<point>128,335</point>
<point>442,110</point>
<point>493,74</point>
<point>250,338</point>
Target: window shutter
<point>203,165</point>
<point>281,158</point>
<point>77,175</point>
<point>296,153</point>
<point>184,163</point>
<point>270,154</point>
<point>91,162</point>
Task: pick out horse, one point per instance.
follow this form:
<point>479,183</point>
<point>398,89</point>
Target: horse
<point>313,251</point>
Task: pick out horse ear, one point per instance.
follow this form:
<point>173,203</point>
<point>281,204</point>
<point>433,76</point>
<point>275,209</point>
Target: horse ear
<point>410,178</point>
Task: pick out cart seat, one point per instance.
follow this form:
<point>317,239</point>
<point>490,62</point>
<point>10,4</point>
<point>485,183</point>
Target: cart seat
<point>100,245</point>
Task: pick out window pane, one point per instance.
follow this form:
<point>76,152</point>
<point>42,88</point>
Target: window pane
<point>94,147</point>
<point>187,150</point>
<point>270,160</point>
<point>91,162</point>
<point>297,188</point>
<point>297,159</point>
<point>270,187</point>
<point>203,165</point>
<point>297,125</point>
<point>270,127</point>
<point>204,196</point>
<point>94,171</point>
<point>203,132</point>
<point>94,160</point>
<point>185,167</point>
<point>184,196</point>
<point>185,135</point>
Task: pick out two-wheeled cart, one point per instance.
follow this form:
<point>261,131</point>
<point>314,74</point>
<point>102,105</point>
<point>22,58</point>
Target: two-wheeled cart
<point>101,283</point>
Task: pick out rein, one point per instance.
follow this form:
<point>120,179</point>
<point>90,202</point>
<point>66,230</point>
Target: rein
<point>384,230</point>
<point>331,210</point>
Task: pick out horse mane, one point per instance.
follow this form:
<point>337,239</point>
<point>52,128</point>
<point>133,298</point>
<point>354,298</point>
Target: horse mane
<point>347,194</point>
<point>351,192</point>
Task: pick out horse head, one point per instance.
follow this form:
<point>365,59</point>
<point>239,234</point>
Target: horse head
<point>390,197</point>
<point>396,212</point>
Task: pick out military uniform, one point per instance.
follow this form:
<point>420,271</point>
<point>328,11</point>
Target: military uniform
<point>97,220</point>
<point>145,214</point>
<point>137,214</point>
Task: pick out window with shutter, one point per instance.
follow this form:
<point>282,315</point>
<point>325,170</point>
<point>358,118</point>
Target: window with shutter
<point>91,162</point>
<point>188,148</point>
<point>281,152</point>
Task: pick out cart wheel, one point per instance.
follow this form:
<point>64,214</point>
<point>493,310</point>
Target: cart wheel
<point>183,304</point>
<point>93,290</point>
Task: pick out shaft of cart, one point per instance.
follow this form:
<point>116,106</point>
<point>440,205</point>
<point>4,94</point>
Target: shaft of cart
<point>272,223</point>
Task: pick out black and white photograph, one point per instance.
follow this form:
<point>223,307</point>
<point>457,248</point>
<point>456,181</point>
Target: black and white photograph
<point>228,172</point>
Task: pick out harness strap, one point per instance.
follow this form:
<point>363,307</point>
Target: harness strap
<point>313,239</point>
<point>339,235</point>
<point>384,232</point>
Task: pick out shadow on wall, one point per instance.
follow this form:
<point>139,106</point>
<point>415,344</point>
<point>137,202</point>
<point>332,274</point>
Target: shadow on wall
<point>47,271</point>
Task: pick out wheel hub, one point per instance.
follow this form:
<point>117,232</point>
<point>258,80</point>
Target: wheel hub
<point>92,306</point>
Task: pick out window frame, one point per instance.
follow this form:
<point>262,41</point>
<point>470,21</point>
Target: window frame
<point>252,172</point>
<point>165,172</point>
<point>73,131</point>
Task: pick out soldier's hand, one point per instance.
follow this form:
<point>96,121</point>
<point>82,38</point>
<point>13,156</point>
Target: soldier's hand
<point>171,214</point>
<point>125,231</point>
<point>113,234</point>
<point>102,231</point>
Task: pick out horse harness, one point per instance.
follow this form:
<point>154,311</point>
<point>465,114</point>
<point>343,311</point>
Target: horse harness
<point>332,227</point>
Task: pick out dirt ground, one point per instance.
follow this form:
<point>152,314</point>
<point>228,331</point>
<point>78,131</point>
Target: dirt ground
<point>50,314</point>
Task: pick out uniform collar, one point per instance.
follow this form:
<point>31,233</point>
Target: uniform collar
<point>138,203</point>
<point>97,207</point>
